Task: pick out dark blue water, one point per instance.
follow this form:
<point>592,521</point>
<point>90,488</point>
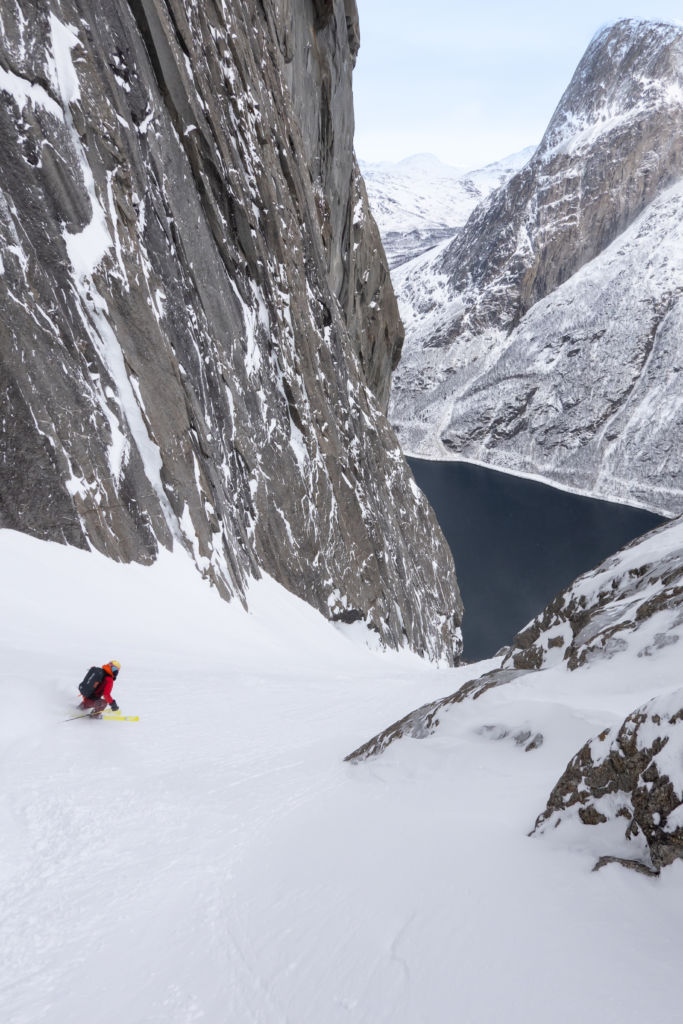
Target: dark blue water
<point>516,543</point>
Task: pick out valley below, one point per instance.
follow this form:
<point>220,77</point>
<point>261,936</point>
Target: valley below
<point>518,542</point>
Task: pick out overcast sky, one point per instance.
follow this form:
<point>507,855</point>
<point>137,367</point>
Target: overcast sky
<point>476,81</point>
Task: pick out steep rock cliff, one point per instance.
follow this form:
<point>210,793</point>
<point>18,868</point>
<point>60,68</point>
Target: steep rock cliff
<point>545,338</point>
<point>197,321</point>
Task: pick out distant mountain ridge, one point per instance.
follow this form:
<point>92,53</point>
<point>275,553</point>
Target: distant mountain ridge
<point>545,338</point>
<point>421,201</point>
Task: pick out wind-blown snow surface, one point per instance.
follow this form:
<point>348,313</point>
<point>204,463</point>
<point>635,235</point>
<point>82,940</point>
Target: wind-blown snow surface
<point>218,861</point>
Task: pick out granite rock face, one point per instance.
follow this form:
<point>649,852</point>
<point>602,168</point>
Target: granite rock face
<point>545,338</point>
<point>198,326</point>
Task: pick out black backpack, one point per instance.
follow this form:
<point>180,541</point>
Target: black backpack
<point>93,677</point>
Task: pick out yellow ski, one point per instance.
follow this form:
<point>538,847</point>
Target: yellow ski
<point>111,717</point>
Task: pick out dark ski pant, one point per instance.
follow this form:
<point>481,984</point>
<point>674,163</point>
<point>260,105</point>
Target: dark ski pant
<point>98,704</point>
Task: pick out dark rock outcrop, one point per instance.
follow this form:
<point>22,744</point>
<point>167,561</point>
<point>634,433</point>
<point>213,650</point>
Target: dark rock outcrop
<point>634,599</point>
<point>635,775</point>
<point>198,326</point>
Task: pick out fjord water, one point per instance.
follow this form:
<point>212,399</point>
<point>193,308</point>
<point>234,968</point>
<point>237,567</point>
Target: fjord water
<point>516,543</point>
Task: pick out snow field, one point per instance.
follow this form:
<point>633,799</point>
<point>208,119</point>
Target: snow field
<point>218,861</point>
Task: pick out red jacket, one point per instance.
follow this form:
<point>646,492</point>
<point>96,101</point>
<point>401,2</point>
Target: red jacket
<point>104,688</point>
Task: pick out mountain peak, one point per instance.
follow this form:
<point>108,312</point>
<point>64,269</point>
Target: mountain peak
<point>419,162</point>
<point>417,165</point>
<point>630,67</point>
<point>636,27</point>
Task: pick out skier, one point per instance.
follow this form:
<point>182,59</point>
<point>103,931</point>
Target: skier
<point>101,695</point>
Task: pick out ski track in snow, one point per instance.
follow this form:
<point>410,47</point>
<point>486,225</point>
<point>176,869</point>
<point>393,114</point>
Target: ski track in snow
<point>217,861</point>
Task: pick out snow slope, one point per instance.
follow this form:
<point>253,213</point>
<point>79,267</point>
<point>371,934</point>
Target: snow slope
<point>218,861</point>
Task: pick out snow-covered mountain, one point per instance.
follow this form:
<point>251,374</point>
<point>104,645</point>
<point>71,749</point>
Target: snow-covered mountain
<point>546,338</point>
<point>198,325</point>
<point>196,335</point>
<point>421,201</point>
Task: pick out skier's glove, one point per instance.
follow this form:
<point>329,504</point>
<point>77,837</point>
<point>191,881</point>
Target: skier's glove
<point>114,706</point>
